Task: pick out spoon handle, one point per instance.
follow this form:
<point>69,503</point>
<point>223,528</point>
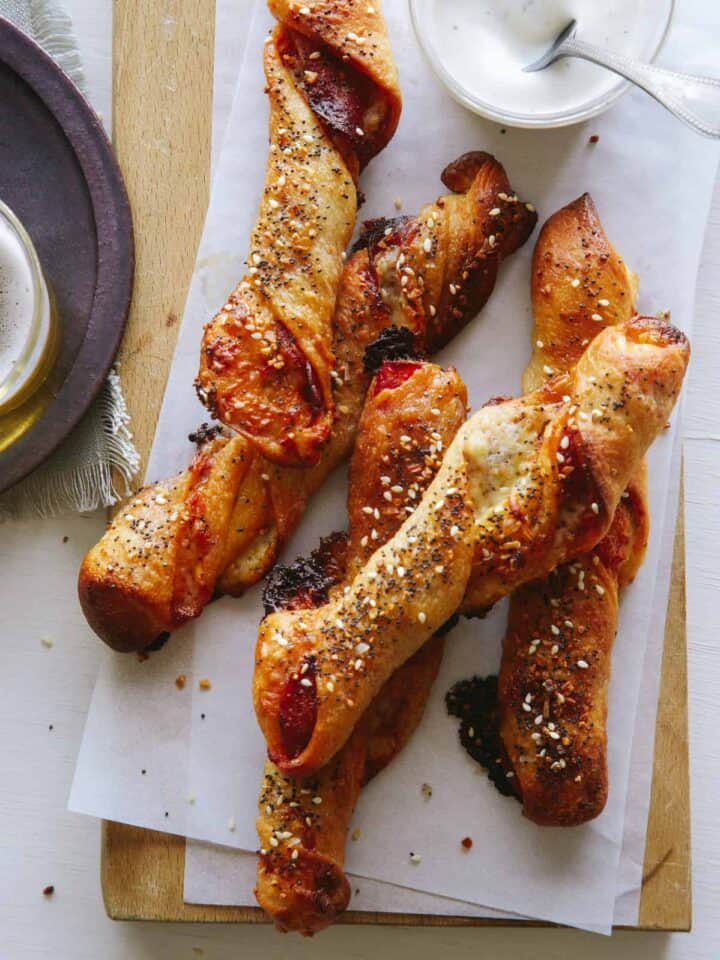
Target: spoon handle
<point>694,100</point>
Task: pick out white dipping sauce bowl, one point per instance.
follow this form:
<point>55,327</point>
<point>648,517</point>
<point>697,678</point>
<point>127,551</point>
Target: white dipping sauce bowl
<point>477,49</point>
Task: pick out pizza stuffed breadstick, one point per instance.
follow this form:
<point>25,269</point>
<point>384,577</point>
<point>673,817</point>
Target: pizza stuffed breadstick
<point>409,286</point>
<point>553,681</point>
<point>527,484</point>
<point>303,823</point>
<point>266,358</point>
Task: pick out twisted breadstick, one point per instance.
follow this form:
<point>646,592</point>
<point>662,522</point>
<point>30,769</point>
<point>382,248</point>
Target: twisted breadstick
<point>266,359</point>
<point>526,485</point>
<point>579,284</point>
<point>414,282</point>
<point>303,824</point>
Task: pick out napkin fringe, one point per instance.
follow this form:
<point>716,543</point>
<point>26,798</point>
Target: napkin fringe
<point>53,30</point>
<point>83,487</point>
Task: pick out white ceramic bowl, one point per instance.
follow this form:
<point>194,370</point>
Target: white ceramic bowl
<point>421,13</point>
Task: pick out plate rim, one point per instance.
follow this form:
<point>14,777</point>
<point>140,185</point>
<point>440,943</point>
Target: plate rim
<point>115,252</point>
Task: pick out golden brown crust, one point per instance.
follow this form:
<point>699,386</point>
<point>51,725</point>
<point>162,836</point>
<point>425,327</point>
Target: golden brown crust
<point>579,285</point>
<point>129,610</point>
<point>266,359</point>
<point>303,823</point>
<point>157,564</point>
<point>552,711</point>
<point>505,508</point>
<point>552,691</point>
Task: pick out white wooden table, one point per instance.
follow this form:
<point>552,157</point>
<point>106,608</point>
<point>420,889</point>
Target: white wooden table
<point>45,695</point>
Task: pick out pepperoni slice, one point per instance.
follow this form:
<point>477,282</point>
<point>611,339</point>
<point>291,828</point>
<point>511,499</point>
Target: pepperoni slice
<point>393,374</point>
<point>298,710</point>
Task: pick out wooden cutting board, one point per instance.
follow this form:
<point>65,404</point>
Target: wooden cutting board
<point>162,95</point>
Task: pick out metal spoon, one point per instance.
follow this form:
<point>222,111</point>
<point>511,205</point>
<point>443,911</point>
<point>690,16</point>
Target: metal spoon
<point>694,100</point>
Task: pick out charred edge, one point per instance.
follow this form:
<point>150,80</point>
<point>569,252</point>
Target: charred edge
<point>393,343</point>
<point>205,433</point>
<point>445,628</point>
<point>158,643</point>
<point>306,582</point>
<point>206,395</point>
<point>373,231</point>
<point>475,704</point>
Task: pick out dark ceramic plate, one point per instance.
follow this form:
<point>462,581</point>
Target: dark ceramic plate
<point>59,175</point>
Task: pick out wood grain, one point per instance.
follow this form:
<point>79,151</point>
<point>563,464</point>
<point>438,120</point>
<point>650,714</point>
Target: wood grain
<point>666,902</point>
<point>162,90</point>
<point>162,117</point>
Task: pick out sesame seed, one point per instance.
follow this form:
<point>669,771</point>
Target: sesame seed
<point>600,589</point>
<point>495,212</point>
<point>317,801</point>
<point>274,842</point>
<point>603,303</point>
<point>539,344</point>
<point>554,649</point>
<point>360,132</point>
<point>565,442</point>
<point>539,719</point>
<point>595,508</point>
<point>583,664</point>
<point>526,707</point>
<point>575,282</point>
<point>554,630</point>
<point>433,310</point>
<point>596,317</point>
<point>491,240</point>
<point>422,617</point>
<point>530,207</point>
<point>427,245</point>
<point>415,858</point>
<point>454,530</point>
<point>548,371</point>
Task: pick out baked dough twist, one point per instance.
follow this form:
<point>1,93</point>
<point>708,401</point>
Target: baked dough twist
<point>527,484</point>
<point>449,254</point>
<point>303,823</point>
<point>579,285</point>
<point>266,359</point>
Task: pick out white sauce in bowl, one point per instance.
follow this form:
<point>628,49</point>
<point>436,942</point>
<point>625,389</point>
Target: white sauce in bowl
<point>28,334</point>
<point>17,298</point>
<point>484,44</point>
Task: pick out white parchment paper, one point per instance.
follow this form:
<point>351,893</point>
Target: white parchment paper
<point>651,179</point>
